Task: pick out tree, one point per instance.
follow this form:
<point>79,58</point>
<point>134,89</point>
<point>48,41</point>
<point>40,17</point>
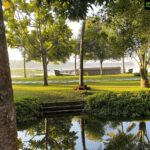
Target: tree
<point>81,74</point>
<point>122,43</point>
<point>55,45</point>
<point>15,35</point>
<point>97,45</point>
<point>8,133</point>
<point>137,21</point>
<point>76,10</point>
<point>53,36</point>
<point>75,46</point>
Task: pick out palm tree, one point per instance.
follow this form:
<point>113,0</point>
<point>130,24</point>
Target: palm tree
<point>8,134</point>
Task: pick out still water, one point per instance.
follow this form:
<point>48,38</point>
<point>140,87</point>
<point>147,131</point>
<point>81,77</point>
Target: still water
<point>84,133</point>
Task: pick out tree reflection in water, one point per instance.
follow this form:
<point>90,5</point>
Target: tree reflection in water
<point>82,126</point>
<point>127,141</point>
<point>141,137</point>
<point>51,134</point>
<point>91,129</point>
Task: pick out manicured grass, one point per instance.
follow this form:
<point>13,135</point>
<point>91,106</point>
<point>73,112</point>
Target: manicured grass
<point>65,91</point>
<point>52,93</point>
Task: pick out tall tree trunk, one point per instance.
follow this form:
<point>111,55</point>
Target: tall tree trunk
<point>75,64</point>
<point>83,134</point>
<point>81,81</point>
<point>45,76</point>
<point>24,65</point>
<point>43,53</point>
<point>144,77</point>
<point>101,67</point>
<point>123,65</point>
<point>8,131</point>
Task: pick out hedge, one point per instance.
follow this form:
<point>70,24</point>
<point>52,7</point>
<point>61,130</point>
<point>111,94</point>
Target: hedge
<point>26,109</point>
<point>119,104</point>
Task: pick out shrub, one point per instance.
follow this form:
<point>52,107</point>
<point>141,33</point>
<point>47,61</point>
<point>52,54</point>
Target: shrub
<point>26,109</point>
<point>119,104</point>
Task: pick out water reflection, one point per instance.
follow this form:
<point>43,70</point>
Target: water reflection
<point>126,140</point>
<point>50,134</point>
<point>85,133</point>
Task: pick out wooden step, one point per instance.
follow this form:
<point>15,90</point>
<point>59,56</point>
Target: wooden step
<point>61,107</point>
<point>62,103</point>
<point>59,115</point>
<point>62,111</point>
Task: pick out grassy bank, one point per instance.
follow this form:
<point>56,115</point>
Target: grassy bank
<point>118,93</point>
<point>29,97</point>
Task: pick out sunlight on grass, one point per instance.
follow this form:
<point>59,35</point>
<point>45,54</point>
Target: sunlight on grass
<point>49,93</point>
<point>65,92</point>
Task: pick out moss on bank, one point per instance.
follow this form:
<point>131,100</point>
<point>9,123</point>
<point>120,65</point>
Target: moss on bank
<point>119,104</point>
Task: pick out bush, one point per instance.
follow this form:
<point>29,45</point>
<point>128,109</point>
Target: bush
<point>26,109</point>
<point>119,104</point>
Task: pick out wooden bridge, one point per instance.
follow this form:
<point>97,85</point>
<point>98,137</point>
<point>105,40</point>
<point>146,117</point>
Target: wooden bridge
<point>61,109</point>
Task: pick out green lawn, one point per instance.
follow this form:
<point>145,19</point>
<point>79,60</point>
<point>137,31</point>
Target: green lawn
<point>50,93</point>
<point>65,92</point>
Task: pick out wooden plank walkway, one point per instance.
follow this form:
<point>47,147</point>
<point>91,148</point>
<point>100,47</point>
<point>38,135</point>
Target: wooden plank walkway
<point>61,109</point>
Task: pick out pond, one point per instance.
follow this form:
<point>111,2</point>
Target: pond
<point>84,132</point>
